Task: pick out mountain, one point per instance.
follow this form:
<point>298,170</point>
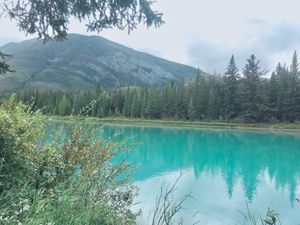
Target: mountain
<point>82,62</point>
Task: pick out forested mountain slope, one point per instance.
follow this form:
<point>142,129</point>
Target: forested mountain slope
<point>83,62</point>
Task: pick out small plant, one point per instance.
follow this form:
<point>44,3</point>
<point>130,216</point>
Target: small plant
<point>271,217</point>
<point>167,208</point>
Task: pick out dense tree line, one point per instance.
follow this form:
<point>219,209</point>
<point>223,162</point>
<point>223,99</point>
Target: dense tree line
<point>245,96</point>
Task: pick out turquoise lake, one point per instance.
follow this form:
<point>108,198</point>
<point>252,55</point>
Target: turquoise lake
<point>223,169</point>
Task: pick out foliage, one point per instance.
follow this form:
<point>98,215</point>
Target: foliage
<point>247,98</point>
<point>231,104</point>
<point>51,18</point>
<point>166,208</point>
<point>75,180</point>
<point>252,98</point>
<point>271,217</point>
<point>20,131</point>
<point>4,67</point>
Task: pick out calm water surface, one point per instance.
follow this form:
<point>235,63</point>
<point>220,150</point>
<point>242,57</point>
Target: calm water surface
<point>223,169</point>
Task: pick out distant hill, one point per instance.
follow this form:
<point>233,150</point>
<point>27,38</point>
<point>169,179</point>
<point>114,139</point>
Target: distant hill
<point>82,62</point>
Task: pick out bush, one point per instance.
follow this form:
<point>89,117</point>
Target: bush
<point>20,131</point>
<point>76,180</point>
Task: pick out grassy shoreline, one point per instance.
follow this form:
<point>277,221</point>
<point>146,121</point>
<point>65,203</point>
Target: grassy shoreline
<point>184,124</point>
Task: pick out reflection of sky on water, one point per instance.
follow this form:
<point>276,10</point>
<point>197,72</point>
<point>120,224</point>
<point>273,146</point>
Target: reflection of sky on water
<point>211,204</point>
<point>222,168</point>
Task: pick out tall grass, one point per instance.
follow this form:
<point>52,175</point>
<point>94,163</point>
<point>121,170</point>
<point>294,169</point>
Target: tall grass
<point>249,218</point>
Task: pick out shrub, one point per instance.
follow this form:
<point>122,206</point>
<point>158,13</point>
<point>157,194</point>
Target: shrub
<point>20,131</point>
<point>76,180</point>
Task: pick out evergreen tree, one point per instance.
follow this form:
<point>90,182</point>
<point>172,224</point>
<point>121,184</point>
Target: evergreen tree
<point>250,92</point>
<point>64,106</point>
<point>214,104</point>
<point>118,101</point>
<point>282,101</point>
<point>191,109</point>
<point>135,106</point>
<point>199,94</point>
<point>293,91</point>
<point>231,101</point>
<point>295,66</point>
<point>273,94</point>
<point>100,106</point>
<point>144,102</point>
<point>168,100</point>
<point>127,103</point>
<point>153,110</point>
<point>181,102</point>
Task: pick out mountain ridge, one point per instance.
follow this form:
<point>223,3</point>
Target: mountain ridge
<point>82,62</point>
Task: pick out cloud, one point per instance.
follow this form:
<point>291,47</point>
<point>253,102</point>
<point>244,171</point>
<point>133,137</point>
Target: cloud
<point>281,38</point>
<point>270,43</point>
<point>208,56</point>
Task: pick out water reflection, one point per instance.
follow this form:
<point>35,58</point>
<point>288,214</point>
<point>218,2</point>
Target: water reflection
<point>223,168</point>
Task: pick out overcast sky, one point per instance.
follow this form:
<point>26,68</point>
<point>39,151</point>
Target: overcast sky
<point>205,33</point>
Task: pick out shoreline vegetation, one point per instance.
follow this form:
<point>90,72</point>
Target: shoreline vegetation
<point>71,180</point>
<point>245,100</point>
<point>295,127</point>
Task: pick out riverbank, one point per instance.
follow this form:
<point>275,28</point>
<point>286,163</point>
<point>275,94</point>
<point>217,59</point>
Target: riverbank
<point>181,123</point>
